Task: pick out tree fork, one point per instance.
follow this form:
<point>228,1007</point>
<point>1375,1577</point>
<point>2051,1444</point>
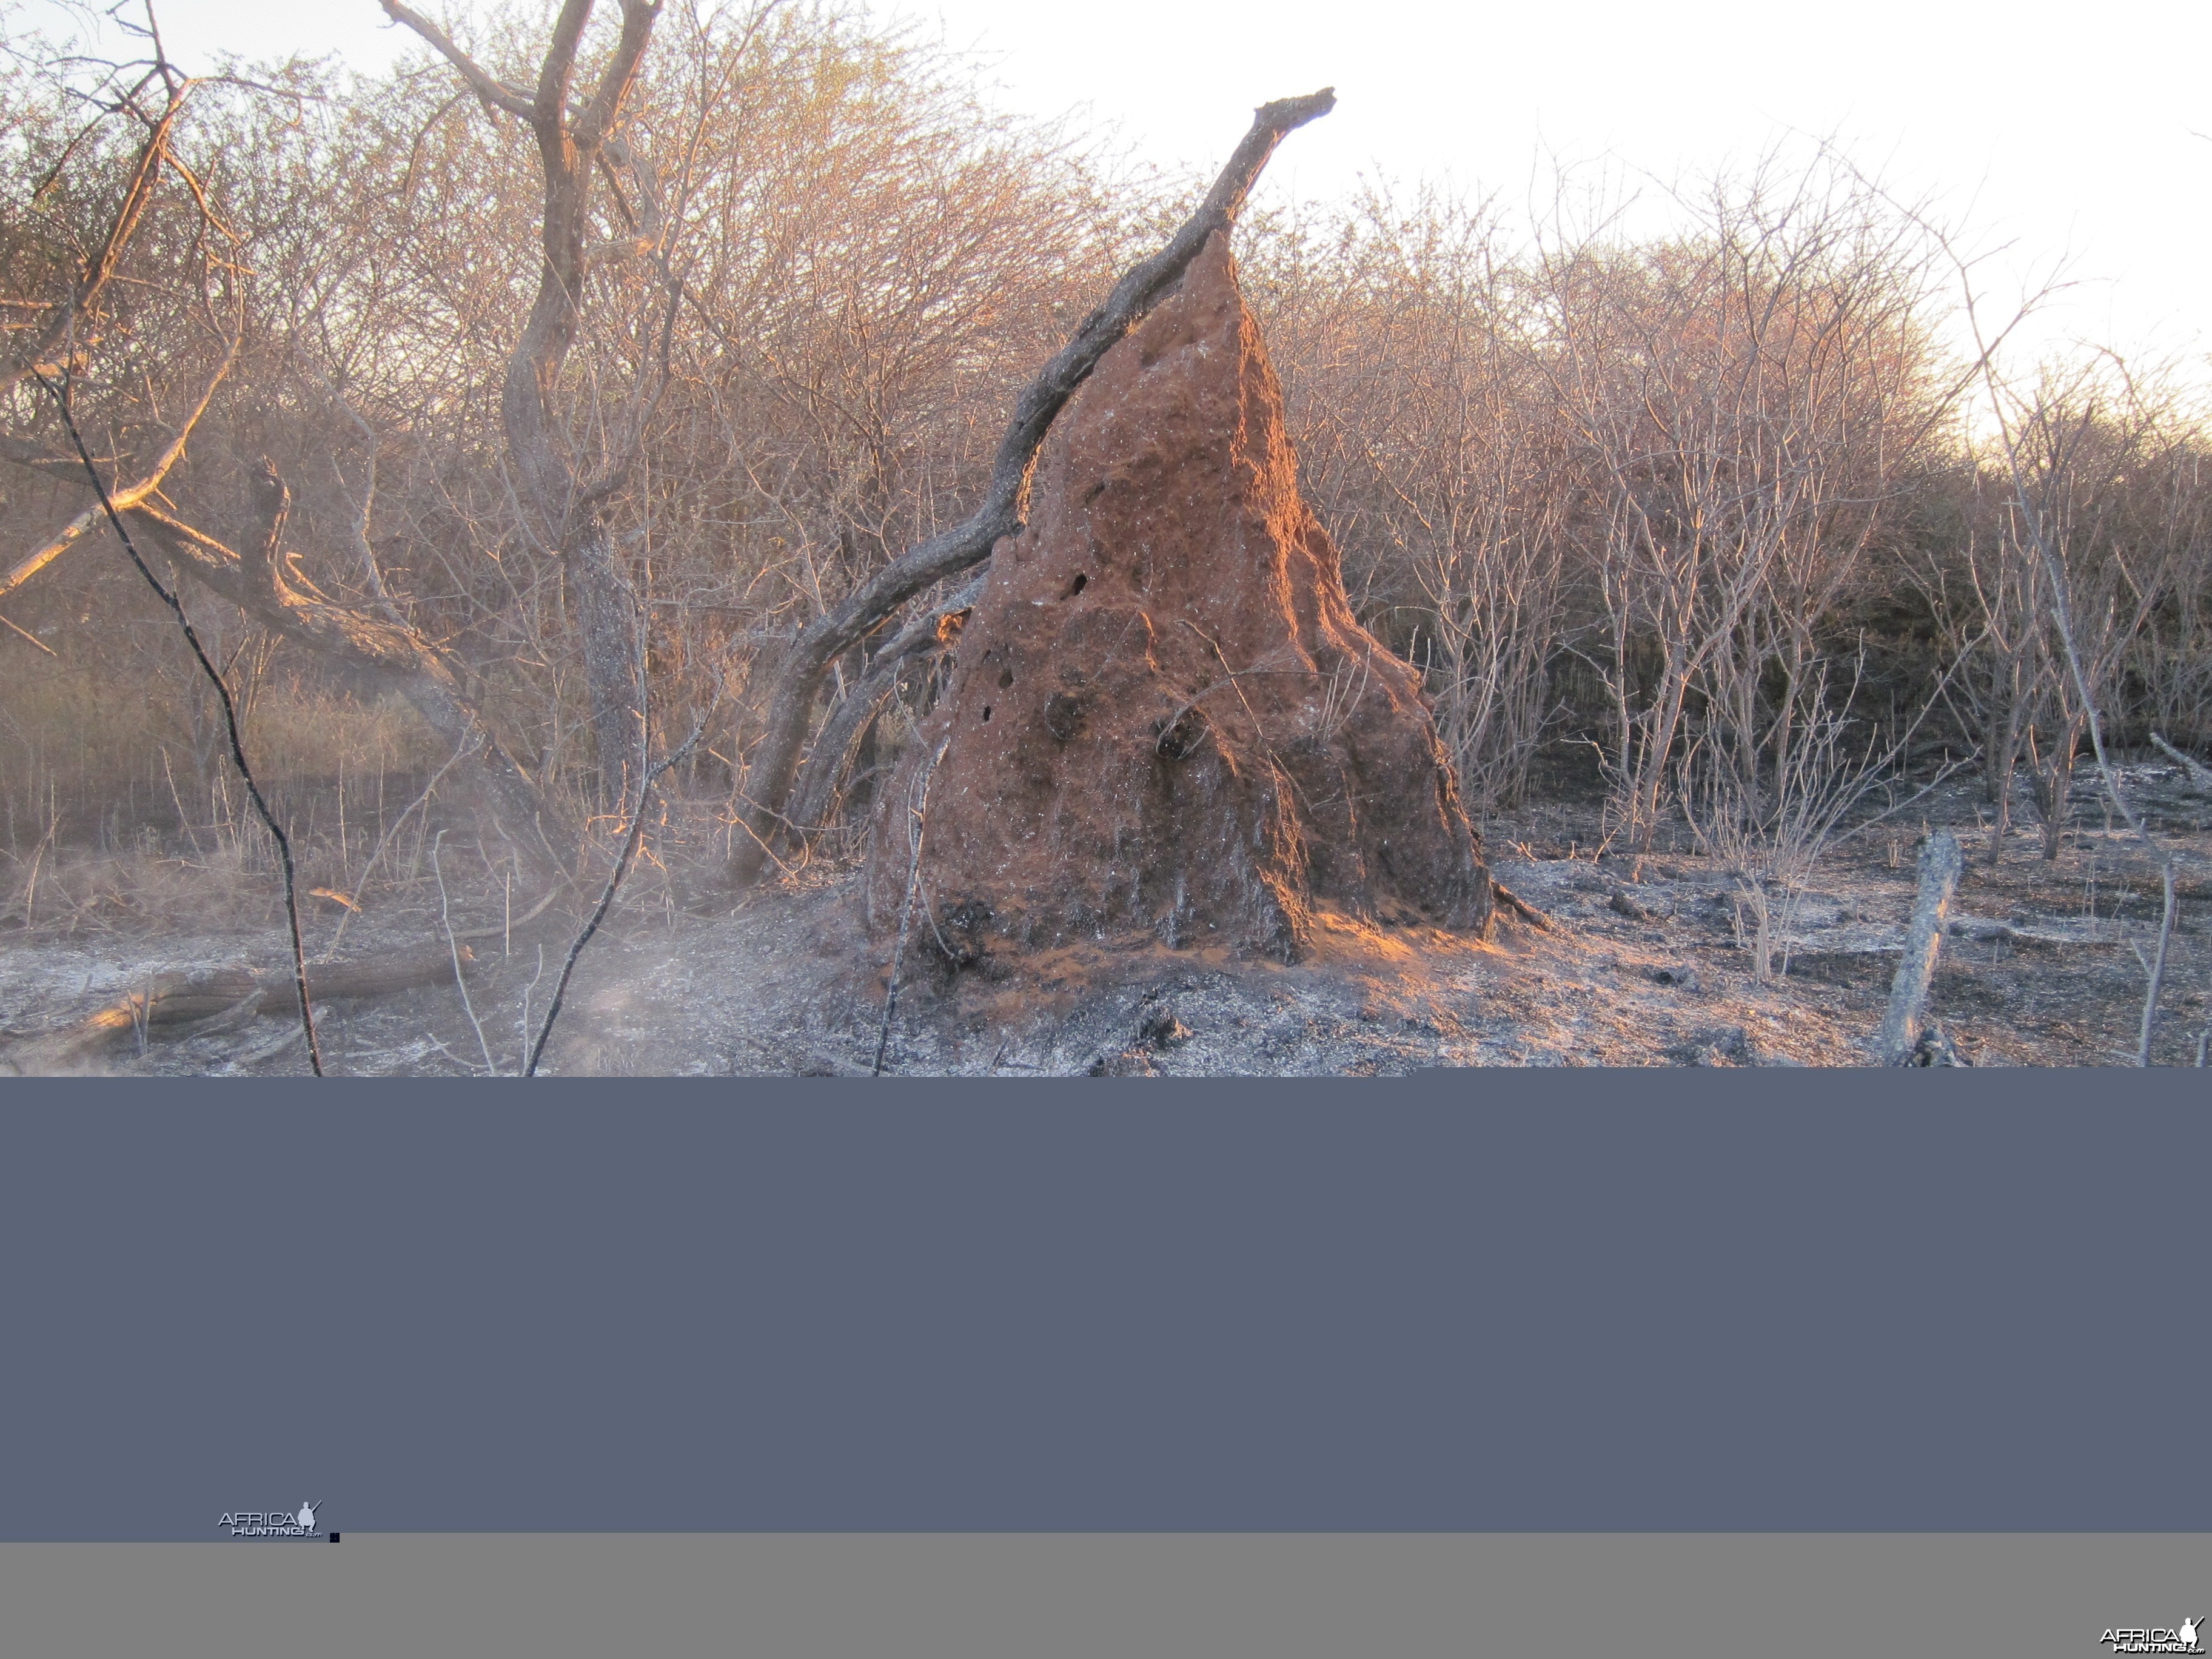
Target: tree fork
<point>570,142</point>
<point>936,629</point>
<point>776,763</point>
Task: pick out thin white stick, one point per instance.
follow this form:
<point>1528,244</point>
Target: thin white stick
<point>453,944</point>
<point>916,830</point>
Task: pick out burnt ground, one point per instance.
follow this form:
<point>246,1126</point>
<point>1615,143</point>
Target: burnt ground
<point>1644,964</point>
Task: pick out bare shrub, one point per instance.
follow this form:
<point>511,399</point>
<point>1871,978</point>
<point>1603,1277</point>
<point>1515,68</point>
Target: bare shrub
<point>1769,835</point>
<point>1751,402</point>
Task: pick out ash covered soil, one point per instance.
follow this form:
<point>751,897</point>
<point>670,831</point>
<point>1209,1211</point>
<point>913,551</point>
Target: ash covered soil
<point>1644,963</point>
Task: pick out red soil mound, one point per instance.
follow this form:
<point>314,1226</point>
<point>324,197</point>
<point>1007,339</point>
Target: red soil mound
<point>1165,718</point>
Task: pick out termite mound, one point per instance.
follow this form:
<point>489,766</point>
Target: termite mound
<point>1163,719</point>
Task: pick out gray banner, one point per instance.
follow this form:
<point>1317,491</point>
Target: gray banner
<point>1696,1303</point>
<point>1106,1596</point>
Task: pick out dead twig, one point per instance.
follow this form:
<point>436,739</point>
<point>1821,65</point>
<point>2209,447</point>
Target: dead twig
<point>918,824</point>
<point>1519,908</point>
<point>453,944</point>
<point>32,637</point>
<point>384,840</point>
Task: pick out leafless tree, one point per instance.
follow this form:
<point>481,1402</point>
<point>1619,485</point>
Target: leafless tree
<point>189,299</point>
<point>2090,528</point>
<point>1750,402</point>
<point>567,491</point>
<point>2084,618</point>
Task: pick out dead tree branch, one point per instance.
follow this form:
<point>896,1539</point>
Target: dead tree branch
<point>119,501</point>
<point>100,269</point>
<point>834,748</point>
<point>2199,774</point>
<point>377,655</point>
<point>1520,908</point>
<point>495,94</point>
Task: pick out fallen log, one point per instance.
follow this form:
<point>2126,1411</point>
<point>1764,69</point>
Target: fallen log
<point>2198,773</point>
<point>215,998</point>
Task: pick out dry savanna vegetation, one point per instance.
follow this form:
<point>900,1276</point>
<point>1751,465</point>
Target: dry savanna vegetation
<point>523,497</point>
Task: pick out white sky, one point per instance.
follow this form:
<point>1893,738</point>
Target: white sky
<point>2064,132</point>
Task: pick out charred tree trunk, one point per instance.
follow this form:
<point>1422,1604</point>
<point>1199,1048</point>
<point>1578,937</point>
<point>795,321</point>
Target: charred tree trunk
<point>610,624</point>
<point>172,1005</point>
<point>1940,865</point>
<point>2052,783</point>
